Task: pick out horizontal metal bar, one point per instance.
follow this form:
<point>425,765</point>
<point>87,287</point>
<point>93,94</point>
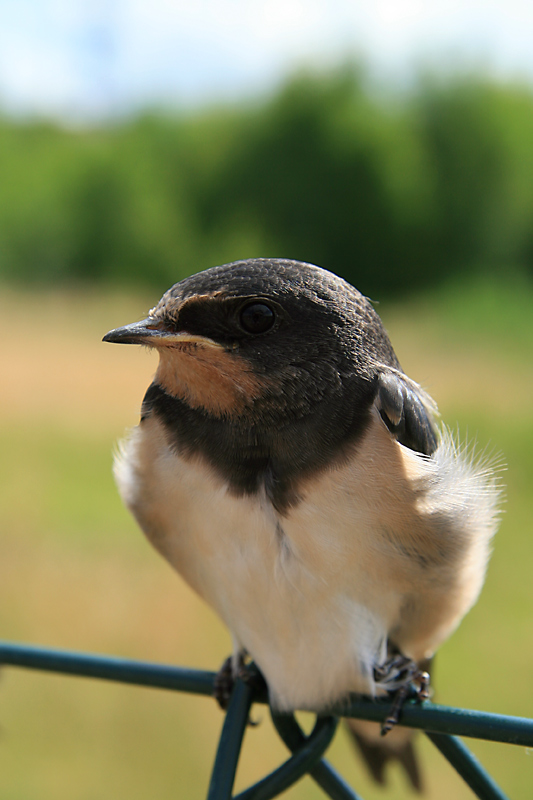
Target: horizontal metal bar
<point>468,767</point>
<point>108,668</point>
<point>427,716</point>
<point>444,719</point>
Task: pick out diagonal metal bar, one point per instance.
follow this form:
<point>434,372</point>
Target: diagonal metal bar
<point>468,767</point>
<point>323,773</point>
<point>298,765</point>
<point>230,742</point>
<point>443,719</point>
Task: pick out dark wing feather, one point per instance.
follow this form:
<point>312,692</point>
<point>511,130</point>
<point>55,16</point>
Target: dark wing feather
<point>407,411</point>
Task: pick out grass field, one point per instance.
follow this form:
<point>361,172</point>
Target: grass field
<point>76,573</point>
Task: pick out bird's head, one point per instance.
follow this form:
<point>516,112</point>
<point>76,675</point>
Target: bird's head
<point>269,369</point>
<point>264,336</point>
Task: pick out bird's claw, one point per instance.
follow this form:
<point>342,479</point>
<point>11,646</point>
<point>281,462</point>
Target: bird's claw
<point>232,669</point>
<point>223,683</point>
<point>405,678</point>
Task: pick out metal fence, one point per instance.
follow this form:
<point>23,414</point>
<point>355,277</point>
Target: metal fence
<point>441,724</point>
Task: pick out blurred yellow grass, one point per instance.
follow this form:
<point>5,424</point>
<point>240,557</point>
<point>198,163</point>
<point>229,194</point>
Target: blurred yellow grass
<point>76,573</point>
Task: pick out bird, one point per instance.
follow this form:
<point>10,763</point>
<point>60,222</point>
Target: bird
<point>300,482</point>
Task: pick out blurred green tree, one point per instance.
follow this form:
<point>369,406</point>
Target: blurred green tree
<point>393,193</point>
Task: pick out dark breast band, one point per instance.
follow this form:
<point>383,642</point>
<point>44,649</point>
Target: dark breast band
<point>254,453</point>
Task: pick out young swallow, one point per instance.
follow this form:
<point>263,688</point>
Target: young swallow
<point>294,476</point>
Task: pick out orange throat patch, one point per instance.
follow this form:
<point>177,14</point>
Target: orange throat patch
<point>207,377</point>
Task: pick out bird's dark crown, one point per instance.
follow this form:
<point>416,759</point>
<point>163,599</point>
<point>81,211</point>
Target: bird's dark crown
<point>318,318</point>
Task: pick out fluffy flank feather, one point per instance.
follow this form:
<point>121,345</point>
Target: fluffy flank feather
<point>466,478</point>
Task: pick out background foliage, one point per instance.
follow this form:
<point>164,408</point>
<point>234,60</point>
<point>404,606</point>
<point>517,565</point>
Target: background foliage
<point>392,193</point>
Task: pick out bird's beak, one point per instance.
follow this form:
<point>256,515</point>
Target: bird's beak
<point>150,332</point>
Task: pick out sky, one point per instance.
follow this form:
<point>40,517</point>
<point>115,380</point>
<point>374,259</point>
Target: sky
<point>83,59</point>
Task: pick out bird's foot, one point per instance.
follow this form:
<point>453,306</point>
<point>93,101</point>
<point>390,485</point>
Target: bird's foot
<point>403,678</point>
<point>233,668</point>
<point>223,683</point>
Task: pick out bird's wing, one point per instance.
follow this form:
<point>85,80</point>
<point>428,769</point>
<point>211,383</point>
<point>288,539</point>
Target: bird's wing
<point>407,411</point>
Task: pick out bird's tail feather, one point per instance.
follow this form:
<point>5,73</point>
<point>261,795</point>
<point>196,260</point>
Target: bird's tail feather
<point>377,751</point>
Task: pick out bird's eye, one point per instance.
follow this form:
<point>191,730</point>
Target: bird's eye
<point>257,318</point>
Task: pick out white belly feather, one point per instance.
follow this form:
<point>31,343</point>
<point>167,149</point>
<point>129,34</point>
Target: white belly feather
<point>313,595</point>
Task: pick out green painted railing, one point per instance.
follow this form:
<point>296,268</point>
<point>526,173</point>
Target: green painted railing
<point>440,723</point>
